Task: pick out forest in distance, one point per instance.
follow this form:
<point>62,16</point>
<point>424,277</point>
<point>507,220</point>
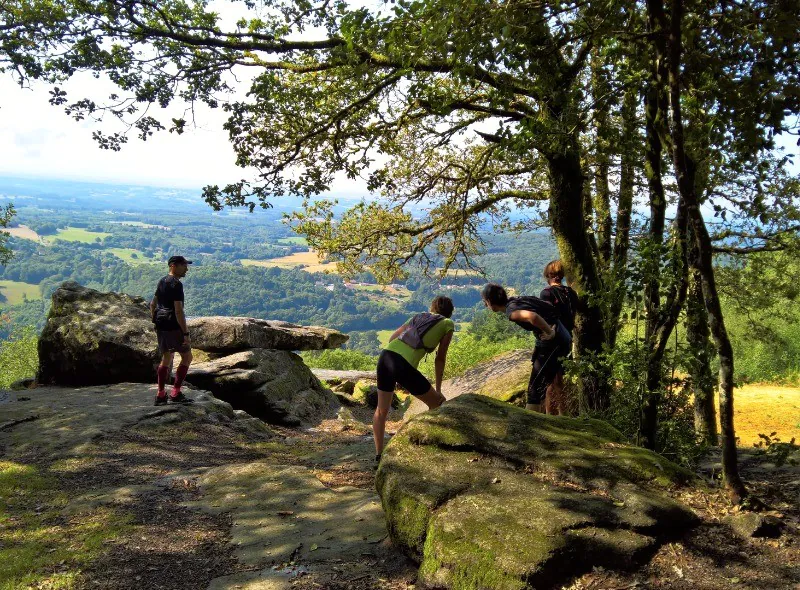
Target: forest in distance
<point>125,249</point>
<point>238,270</point>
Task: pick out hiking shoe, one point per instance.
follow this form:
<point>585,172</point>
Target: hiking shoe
<point>161,400</point>
<point>180,399</point>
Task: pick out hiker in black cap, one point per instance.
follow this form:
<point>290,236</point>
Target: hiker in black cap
<point>166,309</point>
<point>552,339</point>
<point>397,363</point>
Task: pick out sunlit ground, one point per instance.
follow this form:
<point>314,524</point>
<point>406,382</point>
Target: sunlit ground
<point>764,409</point>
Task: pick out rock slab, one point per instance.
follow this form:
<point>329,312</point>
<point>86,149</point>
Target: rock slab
<point>487,495</point>
<point>92,338</point>
<point>232,334</point>
<point>283,513</point>
<point>274,385</point>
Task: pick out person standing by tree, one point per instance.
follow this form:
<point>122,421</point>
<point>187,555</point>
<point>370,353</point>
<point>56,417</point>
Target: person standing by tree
<point>565,299</point>
<point>552,339</point>
<point>168,315</point>
<point>397,363</point>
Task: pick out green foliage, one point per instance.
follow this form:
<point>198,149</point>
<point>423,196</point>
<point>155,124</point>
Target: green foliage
<point>761,301</point>
<point>340,360</point>
<point>774,450</point>
<point>466,350</point>
<point>6,213</point>
<point>366,342</point>
<point>19,357</point>
<point>676,438</point>
<point>493,327</point>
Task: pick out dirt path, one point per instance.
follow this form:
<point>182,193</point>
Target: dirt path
<point>183,504</point>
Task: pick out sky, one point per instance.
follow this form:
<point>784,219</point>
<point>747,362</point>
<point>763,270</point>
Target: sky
<point>41,140</point>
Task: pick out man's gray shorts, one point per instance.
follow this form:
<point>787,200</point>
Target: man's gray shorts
<point>171,341</point>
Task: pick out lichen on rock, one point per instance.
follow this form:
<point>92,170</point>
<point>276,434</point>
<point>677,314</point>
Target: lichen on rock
<point>486,495</point>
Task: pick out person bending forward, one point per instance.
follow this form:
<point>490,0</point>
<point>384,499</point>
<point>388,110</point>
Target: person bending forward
<point>552,339</point>
<point>397,363</point>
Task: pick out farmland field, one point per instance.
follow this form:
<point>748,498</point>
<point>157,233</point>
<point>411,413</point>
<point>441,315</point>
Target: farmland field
<point>24,232</point>
<point>763,409</point>
<point>309,261</point>
<point>296,240</point>
<point>77,234</point>
<point>399,291</point>
<point>15,292</point>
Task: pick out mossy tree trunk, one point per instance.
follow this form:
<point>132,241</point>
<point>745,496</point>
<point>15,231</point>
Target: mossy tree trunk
<point>701,378</point>
<point>566,210</point>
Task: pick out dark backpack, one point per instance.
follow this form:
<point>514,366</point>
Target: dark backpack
<point>563,302</point>
<point>416,329</point>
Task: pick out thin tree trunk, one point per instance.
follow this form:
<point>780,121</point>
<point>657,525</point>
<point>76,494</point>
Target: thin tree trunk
<point>683,170</point>
<point>701,379</point>
<point>655,112</point>
<point>624,208</point>
<point>601,90</point>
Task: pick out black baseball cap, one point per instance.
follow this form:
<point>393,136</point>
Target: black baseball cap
<point>177,260</point>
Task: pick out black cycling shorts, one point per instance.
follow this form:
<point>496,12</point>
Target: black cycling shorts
<point>394,369</point>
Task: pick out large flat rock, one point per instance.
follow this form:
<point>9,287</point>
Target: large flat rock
<point>60,420</point>
<point>230,334</point>
<point>336,375</point>
<point>503,377</point>
<point>487,495</point>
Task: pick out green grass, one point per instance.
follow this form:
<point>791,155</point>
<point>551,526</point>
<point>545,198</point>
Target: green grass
<point>39,547</point>
<point>126,254</point>
<point>296,241</point>
<point>77,234</point>
<point>15,292</point>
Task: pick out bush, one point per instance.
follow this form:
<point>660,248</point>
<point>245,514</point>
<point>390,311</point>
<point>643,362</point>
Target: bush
<point>467,350</point>
<point>19,357</point>
<point>340,360</point>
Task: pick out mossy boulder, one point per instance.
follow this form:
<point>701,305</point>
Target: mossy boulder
<point>487,495</point>
<point>93,338</point>
<point>366,393</point>
<point>274,385</point>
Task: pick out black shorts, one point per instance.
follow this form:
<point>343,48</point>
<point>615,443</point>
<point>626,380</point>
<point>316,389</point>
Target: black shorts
<point>171,341</point>
<point>393,369</point>
<point>547,364</point>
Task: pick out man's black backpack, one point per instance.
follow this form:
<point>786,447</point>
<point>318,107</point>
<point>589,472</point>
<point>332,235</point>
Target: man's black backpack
<point>416,329</point>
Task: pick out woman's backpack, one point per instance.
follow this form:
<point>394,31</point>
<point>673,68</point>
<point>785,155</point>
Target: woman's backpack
<point>417,327</point>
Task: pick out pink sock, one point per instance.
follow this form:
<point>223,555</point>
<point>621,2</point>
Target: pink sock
<point>163,373</point>
<point>180,375</point>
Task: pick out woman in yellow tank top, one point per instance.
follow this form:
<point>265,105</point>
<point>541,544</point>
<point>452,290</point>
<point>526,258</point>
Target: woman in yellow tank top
<point>397,363</point>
